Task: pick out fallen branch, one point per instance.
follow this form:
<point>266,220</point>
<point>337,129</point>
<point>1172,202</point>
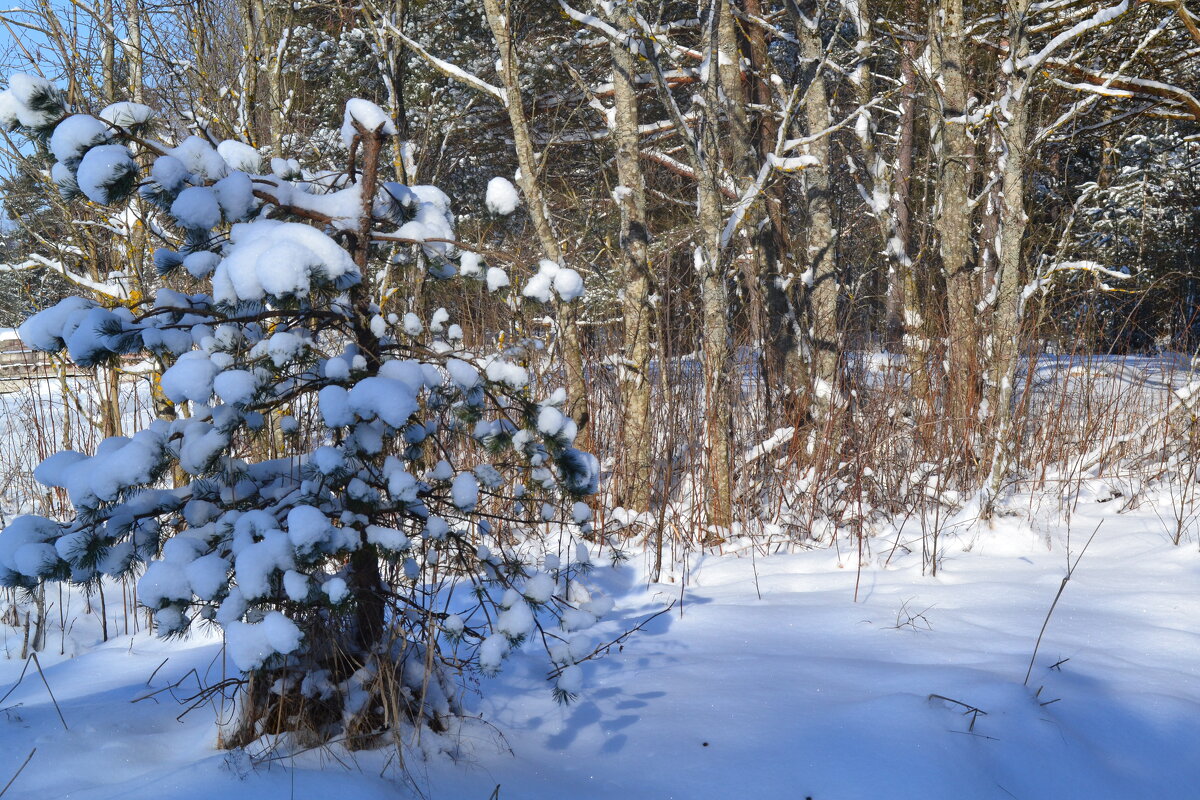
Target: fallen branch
<point>974,711</point>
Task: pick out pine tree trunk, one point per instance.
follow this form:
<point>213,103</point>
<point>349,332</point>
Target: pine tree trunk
<point>703,149</point>
<point>714,300</point>
<point>766,228</point>
<point>252,24</point>
<point>108,55</point>
<point>989,223</point>
<point>110,408</point>
<point>915,321</point>
<point>364,579</point>
<point>733,94</point>
<point>110,411</point>
<point>277,119</point>
<point>889,188</point>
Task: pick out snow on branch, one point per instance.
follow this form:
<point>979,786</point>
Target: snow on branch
<point>772,163</point>
<point>1106,88</point>
<point>1175,97</point>
<point>1104,16</point>
<point>657,35</point>
<point>1042,282</point>
<point>685,170</point>
<point>36,261</point>
<point>591,21</point>
<point>792,144</point>
<point>779,438</point>
<point>450,70</point>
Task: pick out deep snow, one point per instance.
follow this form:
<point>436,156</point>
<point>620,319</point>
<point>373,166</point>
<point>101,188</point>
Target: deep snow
<point>767,680</point>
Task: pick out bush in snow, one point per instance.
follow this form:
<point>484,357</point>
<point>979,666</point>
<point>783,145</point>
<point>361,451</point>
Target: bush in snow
<point>353,498</point>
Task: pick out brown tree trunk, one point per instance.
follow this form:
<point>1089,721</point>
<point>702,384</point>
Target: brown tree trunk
<point>989,224</point>
<point>953,220</point>
<point>1005,351</point>
<point>768,239</point>
<point>821,275</point>
<point>635,489</point>
<point>703,150</point>
<point>365,580</point>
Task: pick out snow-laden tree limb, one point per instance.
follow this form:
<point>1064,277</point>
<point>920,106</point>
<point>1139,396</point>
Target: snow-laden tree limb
<point>777,161</point>
<point>1043,282</point>
<point>1105,16</point>
<point>35,261</point>
<point>771,164</point>
<point>591,21</point>
<point>1105,88</point>
<point>448,69</point>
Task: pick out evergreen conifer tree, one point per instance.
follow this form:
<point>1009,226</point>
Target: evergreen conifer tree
<point>357,500</point>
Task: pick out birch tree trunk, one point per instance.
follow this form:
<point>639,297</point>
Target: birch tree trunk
<point>133,51</point>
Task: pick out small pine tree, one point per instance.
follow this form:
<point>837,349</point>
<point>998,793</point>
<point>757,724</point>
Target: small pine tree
<point>343,477</point>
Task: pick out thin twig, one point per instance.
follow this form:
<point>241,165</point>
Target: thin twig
<point>604,648</point>
<point>1061,587</point>
<point>156,669</point>
<point>190,673</point>
<point>38,664</point>
<point>20,769</point>
<point>974,711</point>
<point>18,683</point>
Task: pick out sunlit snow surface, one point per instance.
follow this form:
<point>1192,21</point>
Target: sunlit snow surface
<point>803,692</point>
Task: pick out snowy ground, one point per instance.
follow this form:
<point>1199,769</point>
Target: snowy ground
<point>769,681</point>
